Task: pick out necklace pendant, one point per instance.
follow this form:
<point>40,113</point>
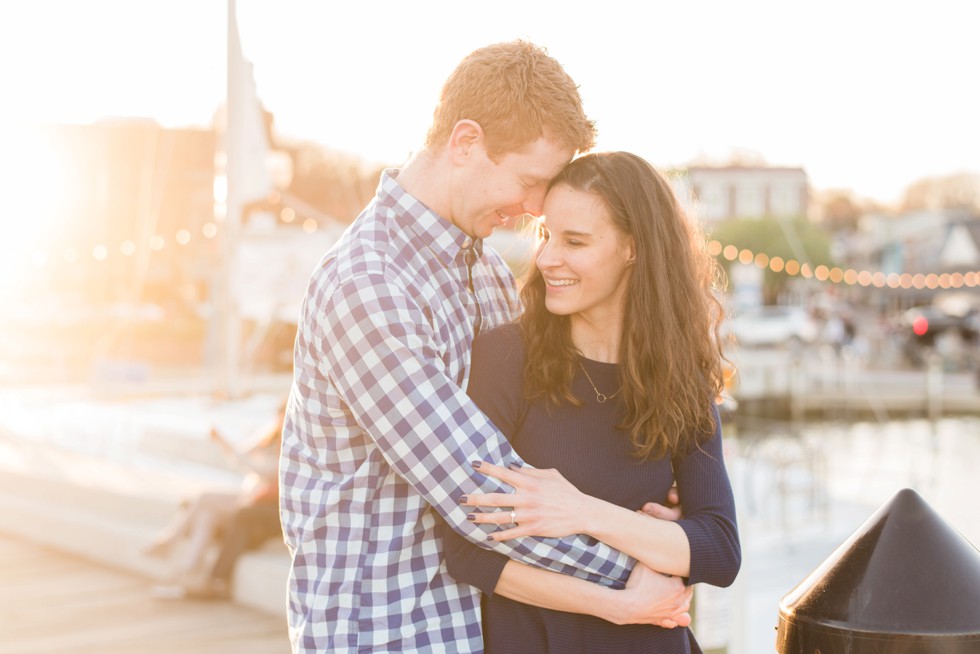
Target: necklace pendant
<point>601,397</point>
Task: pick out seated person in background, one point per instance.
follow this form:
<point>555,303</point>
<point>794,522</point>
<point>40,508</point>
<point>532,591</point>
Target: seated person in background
<point>234,521</point>
<point>252,524</point>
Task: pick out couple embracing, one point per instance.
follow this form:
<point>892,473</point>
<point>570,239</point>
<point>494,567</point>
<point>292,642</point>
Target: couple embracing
<point>466,461</point>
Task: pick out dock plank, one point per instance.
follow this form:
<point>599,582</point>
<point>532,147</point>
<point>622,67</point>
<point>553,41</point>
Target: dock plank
<point>54,603</point>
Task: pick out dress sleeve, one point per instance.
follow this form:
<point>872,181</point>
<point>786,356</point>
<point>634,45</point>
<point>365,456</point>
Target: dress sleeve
<point>379,350</point>
<point>709,512</point>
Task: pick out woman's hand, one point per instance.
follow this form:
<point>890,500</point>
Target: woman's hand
<point>543,503</point>
<point>653,598</point>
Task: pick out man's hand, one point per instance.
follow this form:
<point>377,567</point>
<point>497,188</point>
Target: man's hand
<point>653,598</point>
<point>670,510</point>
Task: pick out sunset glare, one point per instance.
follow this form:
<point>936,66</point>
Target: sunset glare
<point>34,186</point>
<point>868,96</point>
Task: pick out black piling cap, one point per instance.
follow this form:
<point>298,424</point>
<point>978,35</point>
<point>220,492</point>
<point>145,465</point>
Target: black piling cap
<point>905,581</point>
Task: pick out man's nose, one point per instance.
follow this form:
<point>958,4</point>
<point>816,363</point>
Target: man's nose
<point>534,201</point>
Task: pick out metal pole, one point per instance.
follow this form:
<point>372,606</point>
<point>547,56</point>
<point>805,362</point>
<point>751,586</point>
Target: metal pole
<point>934,387</point>
<point>711,612</point>
<point>797,389</point>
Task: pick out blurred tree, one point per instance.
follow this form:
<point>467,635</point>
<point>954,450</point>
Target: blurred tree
<point>797,239</point>
<point>737,156</point>
<point>336,183</point>
<point>956,191</point>
<point>838,210</point>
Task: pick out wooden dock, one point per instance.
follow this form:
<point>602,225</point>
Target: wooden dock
<point>810,386</point>
<point>54,603</point>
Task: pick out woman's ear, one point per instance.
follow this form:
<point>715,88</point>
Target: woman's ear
<point>465,136</point>
<point>631,252</point>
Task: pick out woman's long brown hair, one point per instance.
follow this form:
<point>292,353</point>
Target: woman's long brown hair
<point>670,358</point>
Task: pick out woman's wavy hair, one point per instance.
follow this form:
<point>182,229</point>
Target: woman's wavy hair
<point>670,357</point>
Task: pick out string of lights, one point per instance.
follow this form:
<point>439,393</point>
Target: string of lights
<point>792,267</point>
<point>849,276</point>
<point>100,252</point>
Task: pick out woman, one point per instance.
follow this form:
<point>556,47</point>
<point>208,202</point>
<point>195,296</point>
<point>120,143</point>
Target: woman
<point>610,378</point>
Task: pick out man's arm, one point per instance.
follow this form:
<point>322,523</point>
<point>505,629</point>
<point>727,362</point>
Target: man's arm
<point>378,349</point>
<point>649,597</point>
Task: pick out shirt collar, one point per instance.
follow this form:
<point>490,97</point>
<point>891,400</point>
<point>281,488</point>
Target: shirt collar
<point>442,237</point>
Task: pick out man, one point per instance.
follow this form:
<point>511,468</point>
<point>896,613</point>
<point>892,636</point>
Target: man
<point>379,434</point>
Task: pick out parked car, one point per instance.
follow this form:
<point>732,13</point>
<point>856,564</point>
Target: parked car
<point>931,329</point>
<point>773,326</point>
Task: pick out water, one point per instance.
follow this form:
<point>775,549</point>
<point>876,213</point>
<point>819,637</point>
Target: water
<point>802,492</point>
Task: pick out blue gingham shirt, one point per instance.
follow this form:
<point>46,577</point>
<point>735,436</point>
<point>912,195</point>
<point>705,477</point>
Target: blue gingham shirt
<point>379,436</point>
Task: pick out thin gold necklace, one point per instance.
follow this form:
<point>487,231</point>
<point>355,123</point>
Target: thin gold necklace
<point>600,397</point>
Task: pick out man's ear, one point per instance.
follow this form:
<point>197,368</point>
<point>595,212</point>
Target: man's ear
<point>466,135</point>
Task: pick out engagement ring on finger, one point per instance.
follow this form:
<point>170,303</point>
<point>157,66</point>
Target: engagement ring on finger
<point>513,517</point>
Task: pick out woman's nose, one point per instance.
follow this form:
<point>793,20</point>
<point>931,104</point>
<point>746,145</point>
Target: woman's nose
<point>546,256</point>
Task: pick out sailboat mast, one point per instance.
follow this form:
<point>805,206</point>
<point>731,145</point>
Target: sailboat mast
<point>229,342</point>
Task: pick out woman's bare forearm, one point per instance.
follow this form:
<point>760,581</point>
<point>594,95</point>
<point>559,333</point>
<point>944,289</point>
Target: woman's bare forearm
<point>551,590</point>
<point>545,504</point>
<point>661,545</point>
<point>649,598</point>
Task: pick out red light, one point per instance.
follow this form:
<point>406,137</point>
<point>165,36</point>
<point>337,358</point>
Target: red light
<point>920,325</point>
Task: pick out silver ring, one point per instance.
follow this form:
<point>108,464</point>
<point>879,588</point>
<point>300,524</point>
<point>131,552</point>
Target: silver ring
<point>513,517</point>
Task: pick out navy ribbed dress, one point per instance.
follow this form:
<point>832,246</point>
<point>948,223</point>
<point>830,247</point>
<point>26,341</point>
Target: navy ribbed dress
<point>583,443</point>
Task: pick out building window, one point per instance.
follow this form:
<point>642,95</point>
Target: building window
<point>750,200</point>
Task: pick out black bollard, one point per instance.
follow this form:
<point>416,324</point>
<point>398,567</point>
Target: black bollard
<point>905,582</point>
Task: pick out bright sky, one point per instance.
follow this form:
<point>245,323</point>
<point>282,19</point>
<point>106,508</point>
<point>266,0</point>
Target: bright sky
<point>864,95</point>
